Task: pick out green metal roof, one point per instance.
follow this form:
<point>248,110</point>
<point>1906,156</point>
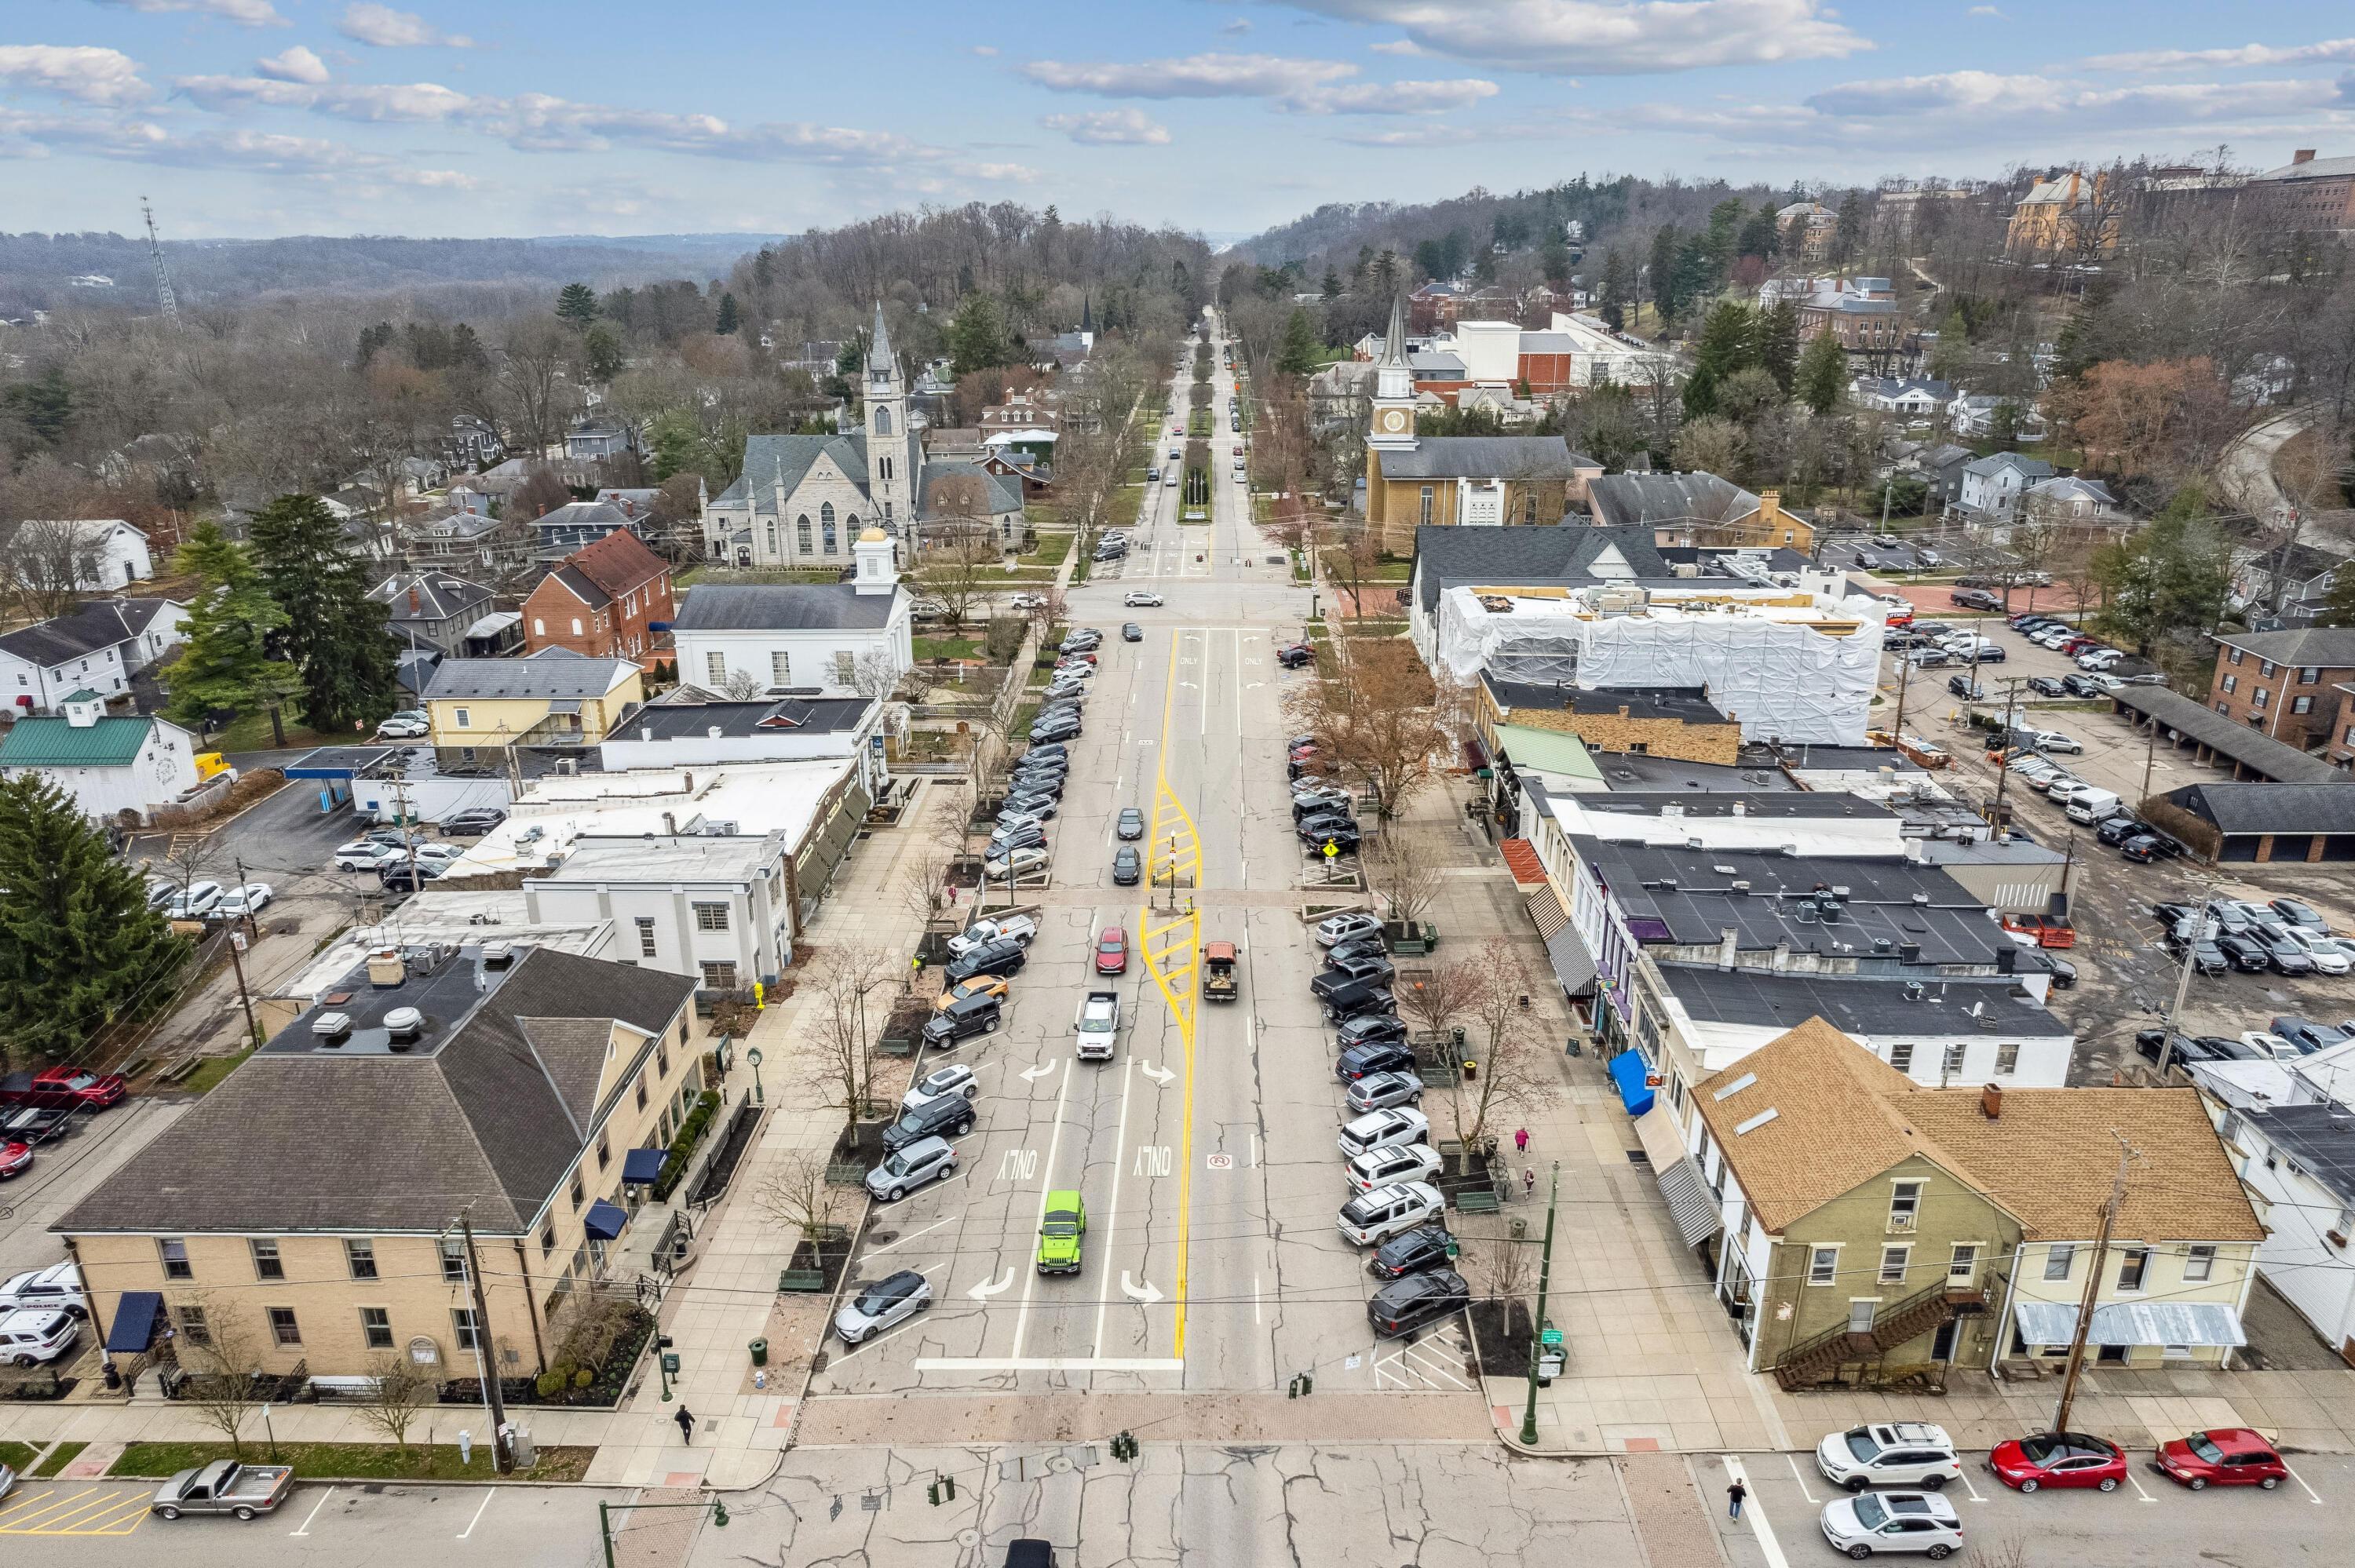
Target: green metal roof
<point>1547,751</point>
<point>53,743</point>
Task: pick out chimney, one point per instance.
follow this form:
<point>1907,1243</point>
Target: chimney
<point>385,966</point>
<point>1729,940</point>
<point>2303,155</point>
<point>670,825</point>
<point>1991,1102</point>
<point>414,603</point>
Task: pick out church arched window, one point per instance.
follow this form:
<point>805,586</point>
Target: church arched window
<point>825,523</point>
<point>887,468</point>
<point>802,533</point>
<point>883,421</point>
<point>773,539</point>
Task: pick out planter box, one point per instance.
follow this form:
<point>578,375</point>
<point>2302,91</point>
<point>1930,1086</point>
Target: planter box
<point>1411,938</point>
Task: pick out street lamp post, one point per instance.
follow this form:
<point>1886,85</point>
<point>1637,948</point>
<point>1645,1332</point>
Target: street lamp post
<point>1537,1330</point>
<point>752,1059</point>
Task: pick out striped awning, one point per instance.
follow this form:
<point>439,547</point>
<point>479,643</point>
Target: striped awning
<point>2202,1323</point>
<point>1692,1204</point>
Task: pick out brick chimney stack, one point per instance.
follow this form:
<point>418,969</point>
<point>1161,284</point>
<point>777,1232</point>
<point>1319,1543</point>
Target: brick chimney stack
<point>2303,155</point>
<point>1991,1102</point>
<point>415,604</point>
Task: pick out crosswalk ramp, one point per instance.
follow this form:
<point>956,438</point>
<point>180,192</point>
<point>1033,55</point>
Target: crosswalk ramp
<point>1436,1361</point>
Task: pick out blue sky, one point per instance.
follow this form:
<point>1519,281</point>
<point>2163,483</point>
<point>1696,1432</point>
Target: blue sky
<point>263,117</point>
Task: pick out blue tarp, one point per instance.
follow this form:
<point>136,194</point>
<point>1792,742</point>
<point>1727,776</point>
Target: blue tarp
<point>641,1166</point>
<point>605,1221</point>
<point>1628,1070</point>
<point>134,1322</point>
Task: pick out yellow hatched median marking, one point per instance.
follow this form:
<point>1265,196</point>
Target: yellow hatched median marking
<point>1170,945</point>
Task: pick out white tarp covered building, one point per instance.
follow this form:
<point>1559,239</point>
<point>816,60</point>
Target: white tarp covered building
<point>1795,664</point>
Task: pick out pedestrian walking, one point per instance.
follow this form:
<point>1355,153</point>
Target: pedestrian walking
<point>1528,1181</point>
<point>1521,1140</point>
<point>1733,1496</point>
<point>685,1419</point>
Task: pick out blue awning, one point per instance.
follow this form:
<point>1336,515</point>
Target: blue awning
<point>605,1220</point>
<point>641,1166</point>
<point>134,1322</point>
<point>1628,1070</point>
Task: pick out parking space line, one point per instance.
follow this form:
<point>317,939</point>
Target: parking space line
<point>315,1507</point>
<point>1754,1516</point>
<point>1965,1478</point>
<point>1793,1461</point>
<point>488,1493</point>
<point>879,1251</point>
<point>2312,1496</point>
<point>2138,1485</point>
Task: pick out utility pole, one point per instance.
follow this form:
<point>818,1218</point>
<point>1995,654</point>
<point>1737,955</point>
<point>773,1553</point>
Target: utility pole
<point>1536,1328</point>
<point>502,1459</point>
<point>237,963</point>
<point>2093,1289</point>
<point>2149,760</point>
<point>2182,987</point>
<point>2003,770</point>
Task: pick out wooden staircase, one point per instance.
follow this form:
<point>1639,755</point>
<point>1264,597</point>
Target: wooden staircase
<point>1818,1360</point>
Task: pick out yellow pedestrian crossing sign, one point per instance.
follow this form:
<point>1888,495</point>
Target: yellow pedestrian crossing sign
<point>1331,849</point>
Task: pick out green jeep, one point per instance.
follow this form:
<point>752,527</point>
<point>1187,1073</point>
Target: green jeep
<point>1060,1232</point>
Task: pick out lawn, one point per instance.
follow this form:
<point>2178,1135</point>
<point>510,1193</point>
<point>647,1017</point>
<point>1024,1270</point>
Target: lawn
<point>251,733</point>
<point>1052,548</point>
<point>64,1454</point>
<point>352,1461</point>
<point>209,1073</point>
<point>948,648</point>
<point>1386,570</point>
<point>17,1456</point>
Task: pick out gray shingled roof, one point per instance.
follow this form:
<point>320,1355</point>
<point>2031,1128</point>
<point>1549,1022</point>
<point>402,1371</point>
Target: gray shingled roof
<point>2261,753</point>
<point>300,1140</point>
<point>556,673</point>
<point>1482,457</point>
<point>1004,490</point>
<point>780,606</point>
<point>771,460</point>
<point>2329,647</point>
<point>89,630</point>
<point>2260,808</point>
<point>1652,499</point>
<point>1544,554</point>
<point>440,596</point>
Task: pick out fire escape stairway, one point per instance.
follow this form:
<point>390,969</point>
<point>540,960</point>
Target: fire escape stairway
<point>1818,1360</point>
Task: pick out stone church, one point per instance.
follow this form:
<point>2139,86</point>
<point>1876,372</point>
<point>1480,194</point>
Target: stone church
<point>803,500</point>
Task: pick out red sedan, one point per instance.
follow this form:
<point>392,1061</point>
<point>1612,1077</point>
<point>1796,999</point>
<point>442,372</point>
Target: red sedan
<point>15,1159</point>
<point>2059,1459</point>
<point>2226,1457</point>
<point>95,1090</point>
<point>1111,951</point>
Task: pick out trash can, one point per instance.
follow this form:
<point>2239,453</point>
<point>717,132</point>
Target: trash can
<point>760,1349</point>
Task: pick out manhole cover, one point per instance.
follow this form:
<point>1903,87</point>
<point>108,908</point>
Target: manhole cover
<point>968,1538</point>
<point>1061,1464</point>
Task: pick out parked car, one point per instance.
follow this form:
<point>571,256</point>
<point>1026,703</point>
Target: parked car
<point>1405,1304</point>
<point>76,1088</point>
<point>410,726</point>
<point>1359,1000</point>
<point>1338,928</point>
<point>2222,1457</point>
<point>57,1289</point>
<point>956,1079</point>
<point>1340,833</point>
<point>243,900</point>
<point>1006,958</point>
<point>2247,954</point>
<point>1111,951</point>
<point>1371,1218</point>
<point>1396,1163</point>
<point>2327,954</point>
<point>1370,1031</point>
<point>15,1159</point>
<point>936,1119</point>
<point>1893,1521</point>
<point>196,902</point>
<point>34,1335</point>
<point>961,1021</point>
<point>35,1124</point>
<point>2118,830</point>
<point>892,1299</point>
<point>399,875</point>
<point>474,822</point>
<point>2053,740</point>
<point>1023,833</point>
<point>1418,1251</point>
<point>225,1486</point>
<point>912,1166</point>
<point>2058,1459</point>
<point>2046,687</point>
<point>1381,1056</point>
<point>1295,656</point>
<point>1888,1454</point>
<point>2285,954</point>
<point>361,854</point>
<point>2300,913</point>
<point>2305,1033</point>
<point>1015,863</point>
<point>1383,1087</point>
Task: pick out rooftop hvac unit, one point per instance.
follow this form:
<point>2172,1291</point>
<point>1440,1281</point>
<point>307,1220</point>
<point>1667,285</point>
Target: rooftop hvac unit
<point>331,1028</point>
<point>497,955</point>
<point>1916,991</point>
<point>1806,912</point>
<point>404,1025</point>
<point>1831,909</point>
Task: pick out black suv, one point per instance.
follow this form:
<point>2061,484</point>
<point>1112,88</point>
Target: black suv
<point>1360,998</point>
<point>951,1116</point>
<point>1404,1305</point>
<point>1417,1251</point>
<point>963,1019</point>
<point>1384,1057</point>
<point>995,958</point>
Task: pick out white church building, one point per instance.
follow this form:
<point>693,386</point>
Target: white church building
<point>832,639</point>
<point>803,500</point>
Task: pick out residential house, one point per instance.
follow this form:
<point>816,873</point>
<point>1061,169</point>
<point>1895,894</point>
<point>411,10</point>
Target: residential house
<point>473,444</point>
<point>2293,1141</point>
<point>2286,585</point>
<point>1022,412</point>
<point>1974,416</point>
<point>299,1217</point>
<point>2075,501</point>
<point>471,540</point>
<point>1908,397</point>
<point>1696,510</point>
<point>836,639</point>
<point>553,697</point>
<point>564,529</point>
<point>1992,486</point>
<point>102,554</point>
<point>100,646</point>
<point>2281,683</point>
<point>603,601</point>
<point>2066,215</point>
<point>590,439</point>
<point>1940,468</point>
<point>432,609</point>
<point>1868,1230</point>
<point>113,766</point>
<point>954,443</point>
<point>2311,195</point>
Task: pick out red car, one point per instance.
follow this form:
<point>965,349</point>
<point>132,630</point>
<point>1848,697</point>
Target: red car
<point>2226,1457</point>
<point>17,1158</point>
<point>78,1086</point>
<point>1111,951</point>
<point>2059,1459</point>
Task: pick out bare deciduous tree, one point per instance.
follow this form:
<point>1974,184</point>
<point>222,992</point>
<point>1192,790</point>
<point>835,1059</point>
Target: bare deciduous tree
<point>1434,1001</point>
<point>965,572</point>
<point>1507,1077</point>
<point>876,673</point>
<point>223,1384</point>
<point>841,1026</point>
<point>1374,715</point>
<point>1406,874</point>
<point>742,686</point>
<point>794,1192</point>
<point>398,1391</point>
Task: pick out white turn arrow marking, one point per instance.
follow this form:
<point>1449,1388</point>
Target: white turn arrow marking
<point>983,1291</point>
<point>1158,1074</point>
<point>1145,1292</point>
<point>1041,1071</point>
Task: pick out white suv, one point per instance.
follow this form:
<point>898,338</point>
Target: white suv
<point>1888,1454</point>
<point>37,1335</point>
<point>57,1287</point>
<point>1893,1521</point>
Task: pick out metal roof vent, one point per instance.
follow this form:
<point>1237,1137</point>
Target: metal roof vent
<point>1921,898</point>
<point>497,955</point>
<point>1725,869</point>
<point>1735,1087</point>
<point>1916,991</point>
<point>404,1025</point>
<point>331,1028</point>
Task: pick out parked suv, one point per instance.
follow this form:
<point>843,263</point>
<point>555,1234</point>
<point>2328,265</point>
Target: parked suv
<point>962,1020</point>
<point>35,1335</point>
<point>1888,1454</point>
<point>995,959</point>
<point>57,1287</point>
<point>906,1169</point>
<point>1404,1305</point>
<point>1371,1218</point>
<point>944,1118</point>
<point>1893,1521</point>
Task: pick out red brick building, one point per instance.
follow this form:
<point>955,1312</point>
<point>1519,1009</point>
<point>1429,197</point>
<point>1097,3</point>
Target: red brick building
<point>600,601</point>
<point>2283,684</point>
<point>2311,194</point>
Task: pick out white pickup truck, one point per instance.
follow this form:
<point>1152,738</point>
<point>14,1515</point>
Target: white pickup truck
<point>1004,927</point>
<point>1099,1025</point>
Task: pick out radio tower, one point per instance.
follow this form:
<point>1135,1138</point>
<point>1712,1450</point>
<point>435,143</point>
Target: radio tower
<point>163,278</point>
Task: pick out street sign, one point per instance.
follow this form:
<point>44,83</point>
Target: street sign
<point>1551,1338</point>
<point>1331,849</point>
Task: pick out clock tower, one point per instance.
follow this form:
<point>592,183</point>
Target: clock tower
<point>1392,426</point>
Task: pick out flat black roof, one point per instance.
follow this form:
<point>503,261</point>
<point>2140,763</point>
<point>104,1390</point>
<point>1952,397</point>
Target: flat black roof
<point>1629,772</point>
<point>1770,803</point>
<point>1860,1005</point>
<point>788,716</point>
<point>2322,1138</point>
<point>1689,704</point>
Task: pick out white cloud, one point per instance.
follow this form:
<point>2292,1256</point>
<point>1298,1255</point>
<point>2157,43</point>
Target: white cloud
<point>297,64</point>
<point>1610,37</point>
<point>382,28</point>
<point>1302,86</point>
<point>987,51</point>
<point>1988,11</point>
<point>1985,97</point>
<point>1110,128</point>
<point>82,71</point>
<point>436,179</point>
<point>1432,133</point>
<point>1407,46</point>
<point>1237,28</point>
<point>374,103</point>
<point>2329,49</point>
<point>244,13</point>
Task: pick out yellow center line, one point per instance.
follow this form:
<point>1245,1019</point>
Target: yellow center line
<point>1176,979</point>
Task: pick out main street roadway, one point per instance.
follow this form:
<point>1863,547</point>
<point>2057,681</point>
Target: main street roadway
<point>1205,1151</point>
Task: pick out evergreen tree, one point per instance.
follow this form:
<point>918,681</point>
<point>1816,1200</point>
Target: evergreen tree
<point>602,352</point>
<point>44,404</point>
<point>223,665</point>
<point>1847,234</point>
<point>1332,284</point>
<point>576,303</point>
<point>2003,426</point>
<point>1778,343</point>
<point>79,946</point>
<point>337,637</point>
<point>1822,378</point>
<point>764,269</point>
<point>1300,350</point>
<point>1663,273</point>
<point>1759,236</point>
<point>1729,343</point>
<point>1554,261</point>
<point>977,335</point>
<point>467,350</point>
<point>1617,286</point>
<point>729,321</point>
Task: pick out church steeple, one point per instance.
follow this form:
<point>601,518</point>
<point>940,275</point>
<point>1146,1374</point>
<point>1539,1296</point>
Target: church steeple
<point>890,453</point>
<point>1087,314</point>
<point>878,346</point>
<point>1392,423</point>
